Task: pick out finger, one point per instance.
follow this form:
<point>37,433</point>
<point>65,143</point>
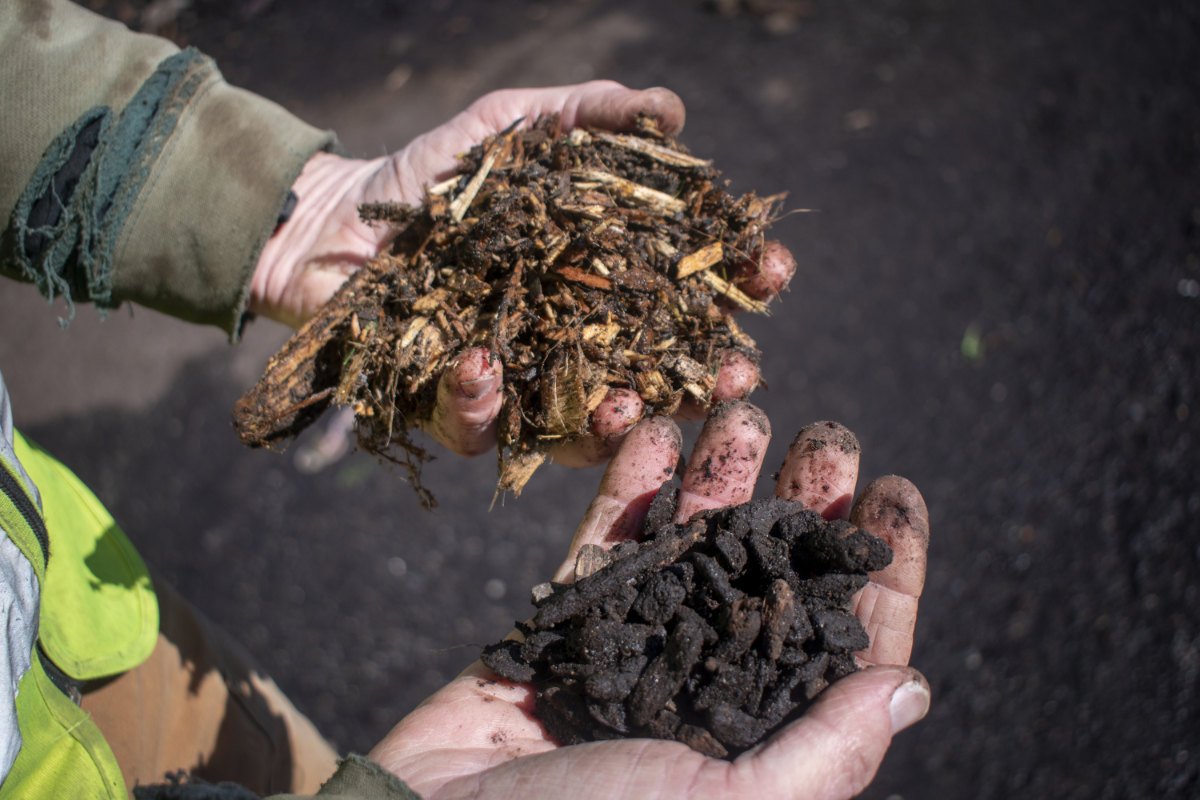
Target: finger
<point>595,104</point>
<point>836,748</point>
<point>821,469</point>
<point>468,401</point>
<point>737,377</point>
<point>892,509</point>
<point>645,460</point>
<point>767,273</point>
<point>604,104</point>
<point>611,421</point>
<point>726,459</point>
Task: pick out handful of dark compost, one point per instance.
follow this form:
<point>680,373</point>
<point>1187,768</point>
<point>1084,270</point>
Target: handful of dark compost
<point>712,633</point>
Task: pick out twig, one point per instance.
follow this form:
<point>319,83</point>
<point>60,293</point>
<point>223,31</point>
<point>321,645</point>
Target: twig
<point>633,191</point>
<point>732,293</point>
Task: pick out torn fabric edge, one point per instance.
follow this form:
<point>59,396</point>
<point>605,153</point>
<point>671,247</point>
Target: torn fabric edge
<point>65,244</point>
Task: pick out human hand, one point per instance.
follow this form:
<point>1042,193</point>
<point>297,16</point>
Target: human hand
<point>305,262</point>
<point>477,737</point>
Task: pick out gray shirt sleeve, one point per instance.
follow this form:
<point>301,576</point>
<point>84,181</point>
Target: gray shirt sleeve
<point>19,602</point>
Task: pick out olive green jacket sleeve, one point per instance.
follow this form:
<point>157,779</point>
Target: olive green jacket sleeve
<point>131,171</point>
<point>358,778</point>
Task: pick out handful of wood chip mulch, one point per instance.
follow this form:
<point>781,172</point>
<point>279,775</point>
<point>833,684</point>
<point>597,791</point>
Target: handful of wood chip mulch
<point>584,261</point>
<point>712,633</point>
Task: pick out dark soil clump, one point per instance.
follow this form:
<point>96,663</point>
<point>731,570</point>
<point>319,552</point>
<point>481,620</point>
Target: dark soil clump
<point>712,633</point>
<point>583,262</point>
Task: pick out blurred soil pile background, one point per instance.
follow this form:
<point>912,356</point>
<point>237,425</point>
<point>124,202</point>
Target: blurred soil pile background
<point>1000,296</point>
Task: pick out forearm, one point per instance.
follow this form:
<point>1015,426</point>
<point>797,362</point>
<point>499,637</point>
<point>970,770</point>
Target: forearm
<point>131,171</point>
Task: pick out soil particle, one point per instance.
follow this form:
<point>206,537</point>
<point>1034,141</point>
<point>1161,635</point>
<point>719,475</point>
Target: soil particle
<point>505,659</point>
<point>839,631</point>
<point>658,599</point>
<point>730,553</point>
<point>661,511</point>
<point>712,633</point>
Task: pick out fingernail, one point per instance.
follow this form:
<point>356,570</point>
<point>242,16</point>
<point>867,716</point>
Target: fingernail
<point>910,703</point>
<point>475,388</point>
<point>472,374</point>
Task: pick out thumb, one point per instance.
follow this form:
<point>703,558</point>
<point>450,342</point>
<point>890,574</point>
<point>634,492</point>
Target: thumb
<point>835,750</point>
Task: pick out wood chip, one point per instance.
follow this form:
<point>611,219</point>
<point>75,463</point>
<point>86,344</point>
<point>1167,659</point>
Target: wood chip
<point>586,278</point>
<point>652,149</point>
<point>601,333</point>
<point>732,293</point>
<point>516,471</point>
<point>564,399</point>
<point>461,203</point>
<point>629,190</point>
<point>702,259</point>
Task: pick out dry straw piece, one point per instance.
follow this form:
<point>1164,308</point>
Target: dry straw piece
<point>583,261</point>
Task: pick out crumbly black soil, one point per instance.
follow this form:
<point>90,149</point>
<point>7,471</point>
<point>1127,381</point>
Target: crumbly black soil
<point>712,633</point>
<point>583,261</point>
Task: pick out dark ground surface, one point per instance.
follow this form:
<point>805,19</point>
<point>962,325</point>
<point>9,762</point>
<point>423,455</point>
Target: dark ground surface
<point>1022,176</point>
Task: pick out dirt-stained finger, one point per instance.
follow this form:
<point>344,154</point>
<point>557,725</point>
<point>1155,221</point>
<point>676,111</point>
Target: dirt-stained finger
<point>821,469</point>
<point>595,104</point>
<point>468,401</point>
<point>892,509</point>
<point>737,378</point>
<point>611,421</point>
<point>602,104</point>
<point>726,459</point>
<point>767,273</point>
<point>644,461</point>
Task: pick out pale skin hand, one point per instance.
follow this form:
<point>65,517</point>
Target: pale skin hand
<point>477,737</point>
<point>324,241</point>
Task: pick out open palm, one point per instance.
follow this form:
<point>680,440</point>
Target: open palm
<point>477,737</point>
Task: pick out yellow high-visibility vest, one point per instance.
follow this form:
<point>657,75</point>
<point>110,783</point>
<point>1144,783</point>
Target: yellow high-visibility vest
<point>98,617</point>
